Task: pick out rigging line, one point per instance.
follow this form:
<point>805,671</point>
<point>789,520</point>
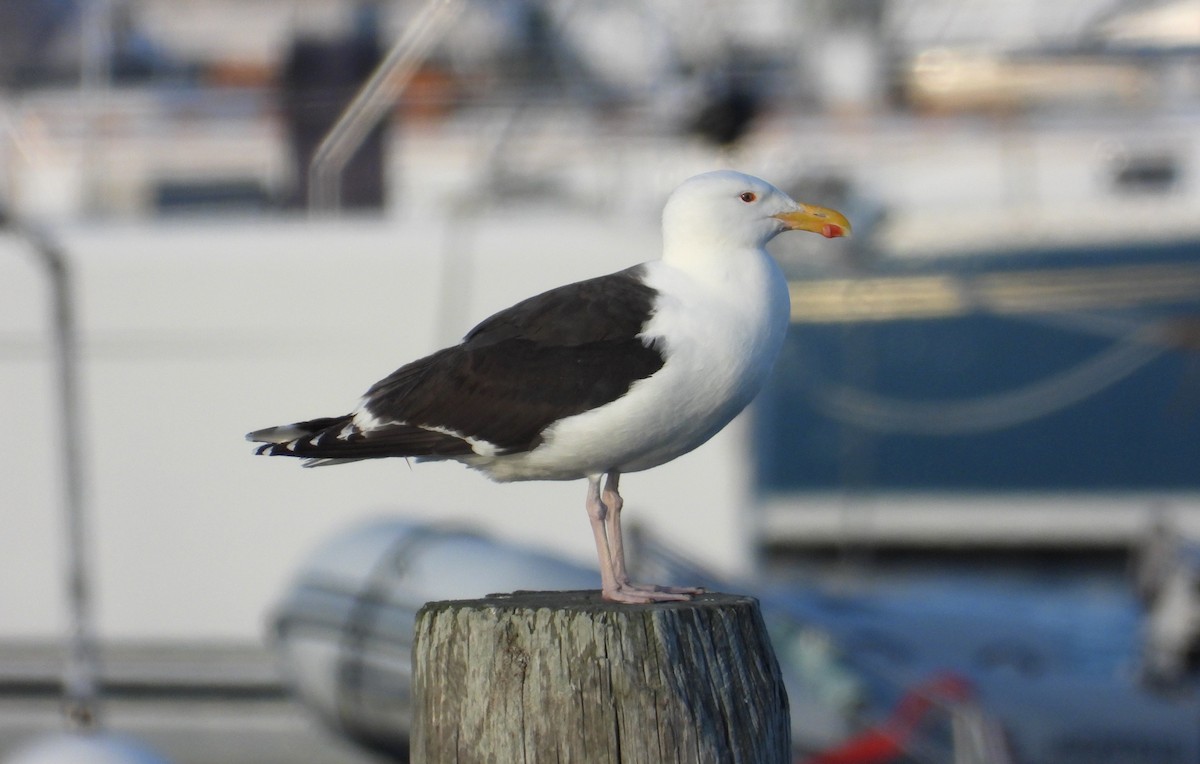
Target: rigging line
<point>879,413</point>
<point>1089,323</point>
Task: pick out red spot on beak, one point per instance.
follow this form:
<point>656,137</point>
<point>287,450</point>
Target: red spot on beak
<point>832,231</point>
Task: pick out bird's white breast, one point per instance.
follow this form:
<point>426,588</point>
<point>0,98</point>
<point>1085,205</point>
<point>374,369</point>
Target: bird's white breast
<point>720,338</point>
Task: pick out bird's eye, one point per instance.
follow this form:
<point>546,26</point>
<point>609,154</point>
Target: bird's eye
<point>748,197</point>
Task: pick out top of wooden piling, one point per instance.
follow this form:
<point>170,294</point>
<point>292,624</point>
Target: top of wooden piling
<point>586,599</point>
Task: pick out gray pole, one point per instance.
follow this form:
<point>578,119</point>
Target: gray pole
<point>81,696</point>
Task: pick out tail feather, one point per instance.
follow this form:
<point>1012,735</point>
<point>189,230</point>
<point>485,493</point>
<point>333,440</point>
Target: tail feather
<point>335,440</point>
<point>286,433</point>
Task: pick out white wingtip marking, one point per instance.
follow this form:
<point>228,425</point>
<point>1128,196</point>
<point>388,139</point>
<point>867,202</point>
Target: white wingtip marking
<point>364,420</point>
<point>280,434</point>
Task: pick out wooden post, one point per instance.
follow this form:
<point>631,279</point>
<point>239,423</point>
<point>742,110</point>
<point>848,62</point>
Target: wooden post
<point>565,677</point>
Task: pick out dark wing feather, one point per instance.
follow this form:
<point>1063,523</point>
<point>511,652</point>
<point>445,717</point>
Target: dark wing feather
<point>606,308</point>
<point>336,438</point>
<point>554,355</point>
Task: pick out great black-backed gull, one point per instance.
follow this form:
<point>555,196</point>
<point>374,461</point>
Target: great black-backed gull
<point>615,374</point>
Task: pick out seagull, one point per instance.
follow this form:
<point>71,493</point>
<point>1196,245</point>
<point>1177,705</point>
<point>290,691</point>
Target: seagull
<point>591,380</point>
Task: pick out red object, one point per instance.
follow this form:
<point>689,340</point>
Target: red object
<point>887,740</point>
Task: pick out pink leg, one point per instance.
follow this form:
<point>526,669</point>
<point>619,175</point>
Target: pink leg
<point>613,588</point>
<point>610,588</point>
<point>611,498</point>
<point>612,525</point>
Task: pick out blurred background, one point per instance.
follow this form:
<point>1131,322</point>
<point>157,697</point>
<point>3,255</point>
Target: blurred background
<point>969,498</point>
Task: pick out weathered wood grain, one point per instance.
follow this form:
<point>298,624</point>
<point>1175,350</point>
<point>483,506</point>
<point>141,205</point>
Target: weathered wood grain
<point>565,677</point>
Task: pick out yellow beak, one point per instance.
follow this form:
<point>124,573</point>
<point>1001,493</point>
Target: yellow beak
<point>809,217</point>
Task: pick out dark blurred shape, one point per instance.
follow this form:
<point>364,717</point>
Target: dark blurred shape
<point>209,196</point>
<point>320,77</point>
<point>535,55</point>
<point>1155,172</point>
<point>135,56</point>
<point>40,45</point>
<point>29,33</point>
<point>727,109</point>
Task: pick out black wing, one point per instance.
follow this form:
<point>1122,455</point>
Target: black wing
<point>560,353</point>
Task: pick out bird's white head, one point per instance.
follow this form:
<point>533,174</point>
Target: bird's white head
<point>729,210</point>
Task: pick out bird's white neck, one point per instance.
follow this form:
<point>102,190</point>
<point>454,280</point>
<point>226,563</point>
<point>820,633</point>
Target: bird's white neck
<point>720,264</point>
